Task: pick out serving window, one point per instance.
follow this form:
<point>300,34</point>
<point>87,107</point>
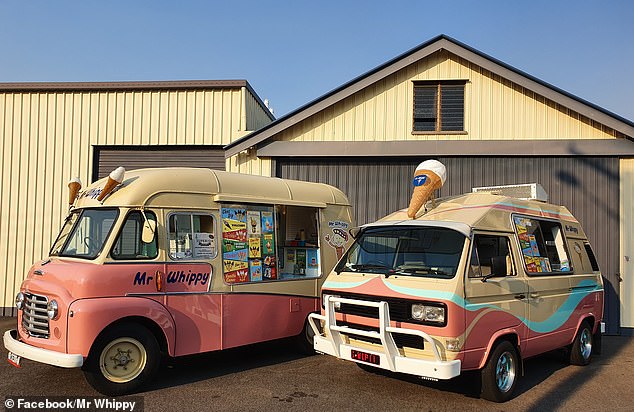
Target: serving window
<point>542,244</point>
<point>269,243</point>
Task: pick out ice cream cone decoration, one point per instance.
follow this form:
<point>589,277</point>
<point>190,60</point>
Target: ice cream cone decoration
<point>430,175</point>
<point>114,179</point>
<point>73,189</point>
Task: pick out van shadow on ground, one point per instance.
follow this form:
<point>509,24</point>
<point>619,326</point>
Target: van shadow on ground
<point>196,368</point>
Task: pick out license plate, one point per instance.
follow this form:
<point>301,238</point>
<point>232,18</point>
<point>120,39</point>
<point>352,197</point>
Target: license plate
<point>365,357</point>
<point>13,359</point>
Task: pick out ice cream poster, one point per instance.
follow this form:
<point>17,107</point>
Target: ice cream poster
<point>254,223</point>
<point>237,276</point>
<point>269,272</point>
<point>267,222</point>
<point>312,258</point>
<point>230,245</point>
<point>268,244</point>
<point>533,243</point>
<point>234,224</point>
<point>204,245</point>
<point>255,250</point>
<point>337,240</point>
<point>255,270</point>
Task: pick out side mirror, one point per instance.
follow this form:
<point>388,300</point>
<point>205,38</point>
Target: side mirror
<point>498,266</point>
<point>149,229</point>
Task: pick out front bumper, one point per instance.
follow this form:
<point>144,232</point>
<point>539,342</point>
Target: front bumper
<point>64,360</point>
<point>330,342</point>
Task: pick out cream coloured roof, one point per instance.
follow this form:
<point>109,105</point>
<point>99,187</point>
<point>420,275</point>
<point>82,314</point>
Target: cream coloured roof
<point>484,211</point>
<point>141,185</point>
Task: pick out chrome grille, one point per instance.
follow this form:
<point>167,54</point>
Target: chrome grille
<point>34,316</point>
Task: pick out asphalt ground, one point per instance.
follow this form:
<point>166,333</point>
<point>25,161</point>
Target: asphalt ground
<point>272,376</point>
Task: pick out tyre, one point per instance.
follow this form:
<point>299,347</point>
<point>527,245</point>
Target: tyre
<point>581,349</point>
<point>122,360</point>
<point>500,374</point>
<point>305,340</point>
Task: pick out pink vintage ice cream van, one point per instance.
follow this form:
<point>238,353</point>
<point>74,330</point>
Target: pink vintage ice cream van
<point>171,262</point>
<point>474,282</point>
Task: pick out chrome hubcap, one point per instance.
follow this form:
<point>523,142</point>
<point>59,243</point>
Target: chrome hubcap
<point>505,372</point>
<point>585,343</point>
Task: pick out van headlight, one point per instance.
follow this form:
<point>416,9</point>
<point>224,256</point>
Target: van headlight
<point>429,313</point>
<point>19,300</point>
<point>51,310</point>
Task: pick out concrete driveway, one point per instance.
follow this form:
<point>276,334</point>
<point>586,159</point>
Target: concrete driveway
<point>271,376</point>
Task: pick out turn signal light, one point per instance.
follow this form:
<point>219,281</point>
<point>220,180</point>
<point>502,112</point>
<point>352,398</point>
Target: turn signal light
<point>159,281</point>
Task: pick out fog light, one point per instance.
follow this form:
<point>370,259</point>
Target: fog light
<point>51,310</point>
<point>453,345</point>
<point>19,300</point>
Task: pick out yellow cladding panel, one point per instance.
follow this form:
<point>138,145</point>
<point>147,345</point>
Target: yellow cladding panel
<point>627,243</point>
<point>47,138</point>
<point>495,109</point>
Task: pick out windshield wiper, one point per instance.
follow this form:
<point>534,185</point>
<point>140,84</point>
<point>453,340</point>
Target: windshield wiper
<point>420,270</point>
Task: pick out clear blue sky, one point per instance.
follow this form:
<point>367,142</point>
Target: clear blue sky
<point>294,51</point>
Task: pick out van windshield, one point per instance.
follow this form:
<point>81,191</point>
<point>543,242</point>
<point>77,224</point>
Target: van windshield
<point>84,233</point>
<point>405,251</point>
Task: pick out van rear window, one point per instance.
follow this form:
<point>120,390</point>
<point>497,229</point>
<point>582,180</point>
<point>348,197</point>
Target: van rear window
<point>591,257</point>
<point>542,245</point>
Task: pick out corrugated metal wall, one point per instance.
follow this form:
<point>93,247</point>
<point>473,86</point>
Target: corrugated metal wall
<point>589,187</point>
<point>627,243</point>
<point>108,159</point>
<point>48,137</point>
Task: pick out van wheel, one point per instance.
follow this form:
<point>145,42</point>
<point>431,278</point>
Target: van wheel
<point>305,340</point>
<point>581,349</point>
<point>122,360</point>
<point>500,374</point>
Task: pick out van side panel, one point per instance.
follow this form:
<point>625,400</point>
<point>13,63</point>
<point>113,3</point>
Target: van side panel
<point>251,318</point>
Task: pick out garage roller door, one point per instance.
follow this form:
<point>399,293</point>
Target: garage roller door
<point>108,159</point>
<point>588,186</point>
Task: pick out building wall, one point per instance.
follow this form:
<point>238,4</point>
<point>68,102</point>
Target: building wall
<point>495,109</point>
<point>48,138</point>
<point>626,255</point>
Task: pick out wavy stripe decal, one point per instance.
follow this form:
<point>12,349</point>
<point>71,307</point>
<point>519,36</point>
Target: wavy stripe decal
<point>555,321</point>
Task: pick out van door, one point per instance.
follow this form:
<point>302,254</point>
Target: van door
<point>188,276</point>
<point>545,260</point>
<point>493,303</point>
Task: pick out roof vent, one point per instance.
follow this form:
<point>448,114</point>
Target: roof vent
<point>528,191</point>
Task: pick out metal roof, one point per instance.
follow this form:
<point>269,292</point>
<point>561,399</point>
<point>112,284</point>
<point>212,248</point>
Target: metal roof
<point>441,42</point>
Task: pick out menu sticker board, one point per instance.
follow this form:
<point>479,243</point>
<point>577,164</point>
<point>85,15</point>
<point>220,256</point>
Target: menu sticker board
<point>248,244</point>
<point>234,245</point>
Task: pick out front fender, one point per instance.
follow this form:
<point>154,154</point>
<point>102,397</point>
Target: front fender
<point>91,316</point>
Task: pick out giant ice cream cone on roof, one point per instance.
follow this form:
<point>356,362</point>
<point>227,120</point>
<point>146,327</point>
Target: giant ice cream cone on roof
<point>430,175</point>
<point>73,188</point>
<point>114,179</point>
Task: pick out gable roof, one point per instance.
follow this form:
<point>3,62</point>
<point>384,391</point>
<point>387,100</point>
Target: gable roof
<point>441,42</point>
